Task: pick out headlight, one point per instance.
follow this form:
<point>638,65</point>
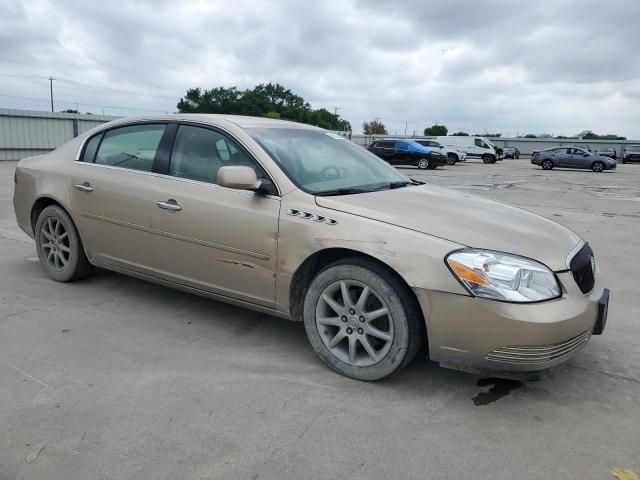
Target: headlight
<point>501,276</point>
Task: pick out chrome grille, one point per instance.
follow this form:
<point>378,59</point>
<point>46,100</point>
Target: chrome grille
<point>531,355</point>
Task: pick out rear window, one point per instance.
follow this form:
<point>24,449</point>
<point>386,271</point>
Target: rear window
<point>91,148</point>
<point>131,147</point>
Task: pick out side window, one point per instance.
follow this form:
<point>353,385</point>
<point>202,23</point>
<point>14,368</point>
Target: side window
<point>131,147</point>
<point>90,149</point>
<point>402,146</point>
<point>198,154</point>
<point>480,143</point>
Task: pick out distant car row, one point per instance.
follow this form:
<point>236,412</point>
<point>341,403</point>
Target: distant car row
<point>431,153</point>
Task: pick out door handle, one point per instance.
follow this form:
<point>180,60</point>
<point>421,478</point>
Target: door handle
<point>84,187</point>
<point>169,205</point>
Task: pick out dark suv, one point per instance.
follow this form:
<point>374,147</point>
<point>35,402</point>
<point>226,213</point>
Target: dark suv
<point>631,154</point>
<point>407,152</point>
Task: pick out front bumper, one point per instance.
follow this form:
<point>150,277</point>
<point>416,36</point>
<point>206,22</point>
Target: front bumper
<point>479,335</point>
<point>438,160</point>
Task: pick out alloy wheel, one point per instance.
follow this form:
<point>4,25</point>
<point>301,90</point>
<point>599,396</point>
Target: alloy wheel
<point>354,323</point>
<point>54,243</point>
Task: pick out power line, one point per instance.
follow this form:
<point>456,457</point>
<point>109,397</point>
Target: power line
<point>71,102</point>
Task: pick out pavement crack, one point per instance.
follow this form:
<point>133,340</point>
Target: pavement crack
<point>30,377</point>
<point>616,376</point>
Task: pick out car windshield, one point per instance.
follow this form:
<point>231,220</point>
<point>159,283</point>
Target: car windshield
<point>323,163</point>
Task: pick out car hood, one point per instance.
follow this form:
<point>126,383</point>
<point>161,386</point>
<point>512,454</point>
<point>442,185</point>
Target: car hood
<point>463,218</point>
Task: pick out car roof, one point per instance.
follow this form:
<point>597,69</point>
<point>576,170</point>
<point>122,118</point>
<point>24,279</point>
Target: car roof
<point>242,121</point>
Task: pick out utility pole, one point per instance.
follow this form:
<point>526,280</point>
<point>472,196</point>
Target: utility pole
<point>405,128</point>
<point>51,79</point>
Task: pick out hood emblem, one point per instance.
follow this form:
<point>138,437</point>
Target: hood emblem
<point>311,216</point>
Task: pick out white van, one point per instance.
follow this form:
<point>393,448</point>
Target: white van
<point>478,147</point>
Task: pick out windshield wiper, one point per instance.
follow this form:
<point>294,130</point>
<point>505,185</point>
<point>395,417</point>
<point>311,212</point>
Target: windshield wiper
<point>399,184</point>
<point>392,185</point>
<point>342,191</point>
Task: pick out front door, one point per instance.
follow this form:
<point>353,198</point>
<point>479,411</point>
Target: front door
<point>112,194</point>
<point>210,237</point>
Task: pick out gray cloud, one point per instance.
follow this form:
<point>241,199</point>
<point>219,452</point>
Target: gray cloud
<point>546,67</point>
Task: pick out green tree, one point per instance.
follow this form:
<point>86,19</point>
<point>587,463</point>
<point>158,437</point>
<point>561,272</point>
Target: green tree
<point>589,135</point>
<point>530,135</point>
<point>489,135</point>
<point>270,100</point>
<point>460,134</point>
<point>374,127</point>
<point>436,130</point>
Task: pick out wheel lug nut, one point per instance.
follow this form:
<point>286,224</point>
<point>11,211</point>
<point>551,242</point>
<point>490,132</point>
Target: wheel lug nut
<point>349,331</point>
<point>362,319</point>
<point>360,331</point>
<point>344,319</point>
<point>352,311</point>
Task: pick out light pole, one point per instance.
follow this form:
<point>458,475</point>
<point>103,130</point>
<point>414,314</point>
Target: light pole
<point>51,79</point>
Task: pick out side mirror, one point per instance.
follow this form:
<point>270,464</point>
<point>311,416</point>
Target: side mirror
<point>238,177</point>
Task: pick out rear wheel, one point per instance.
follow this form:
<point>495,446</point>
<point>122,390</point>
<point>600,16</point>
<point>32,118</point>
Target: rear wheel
<point>547,164</point>
<point>597,166</point>
<point>424,163</point>
<point>361,321</point>
<point>59,246</point>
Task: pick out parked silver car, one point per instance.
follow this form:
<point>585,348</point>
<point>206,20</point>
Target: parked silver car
<point>572,157</point>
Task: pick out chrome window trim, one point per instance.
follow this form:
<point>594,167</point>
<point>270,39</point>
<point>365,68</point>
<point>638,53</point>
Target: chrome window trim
<point>179,179</point>
<point>179,122</point>
<point>573,253</point>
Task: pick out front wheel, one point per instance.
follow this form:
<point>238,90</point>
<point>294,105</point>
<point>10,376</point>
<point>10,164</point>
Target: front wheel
<point>424,163</point>
<point>597,166</point>
<point>361,321</point>
<point>451,159</point>
<point>59,246</point>
<point>488,159</point>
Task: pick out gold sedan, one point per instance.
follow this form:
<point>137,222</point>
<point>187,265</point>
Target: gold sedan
<point>297,222</point>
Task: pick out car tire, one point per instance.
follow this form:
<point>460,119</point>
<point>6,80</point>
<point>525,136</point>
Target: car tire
<point>488,159</point>
<point>452,158</point>
<point>546,165</point>
<point>59,247</point>
<point>369,349</point>
<point>423,163</point>
<point>597,166</point>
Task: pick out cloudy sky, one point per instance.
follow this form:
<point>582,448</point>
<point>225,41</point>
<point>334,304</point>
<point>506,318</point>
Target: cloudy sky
<point>554,66</point>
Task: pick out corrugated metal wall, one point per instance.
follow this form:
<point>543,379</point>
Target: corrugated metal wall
<point>25,133</point>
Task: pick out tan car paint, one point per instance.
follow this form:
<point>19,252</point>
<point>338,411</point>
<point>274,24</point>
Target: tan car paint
<point>245,248</point>
<point>464,218</point>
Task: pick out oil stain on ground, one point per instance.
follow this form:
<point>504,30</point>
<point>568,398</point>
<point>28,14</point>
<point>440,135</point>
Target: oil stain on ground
<point>501,388</point>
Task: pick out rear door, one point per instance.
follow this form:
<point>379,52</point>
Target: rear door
<point>112,194</point>
<point>211,237</point>
<point>402,154</point>
<point>561,157</point>
<point>385,150</point>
